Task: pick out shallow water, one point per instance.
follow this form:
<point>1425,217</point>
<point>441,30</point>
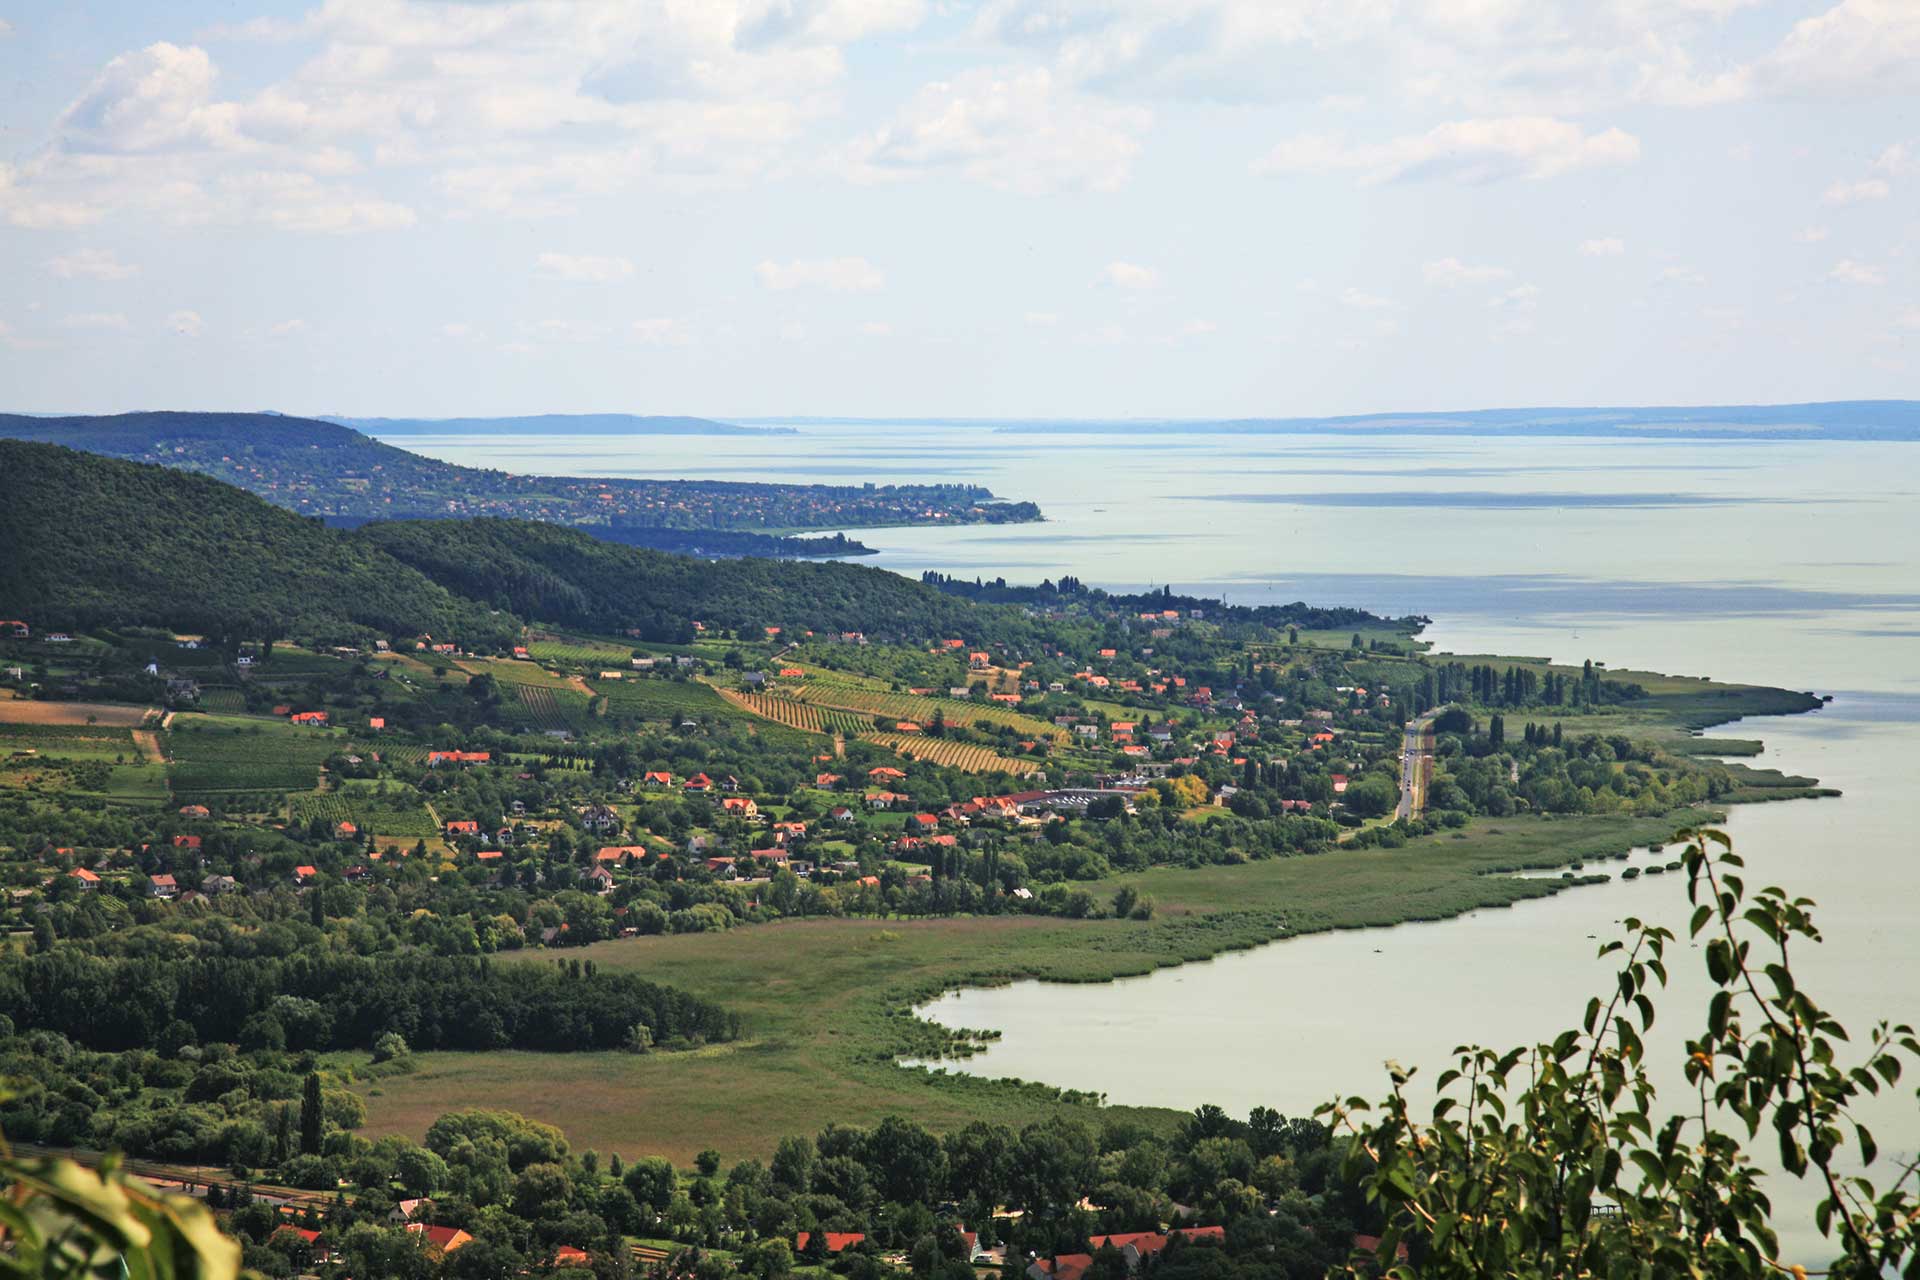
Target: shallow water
<point>1795,564</point>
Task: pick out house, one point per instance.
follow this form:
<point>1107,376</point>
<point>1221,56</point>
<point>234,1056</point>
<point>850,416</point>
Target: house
<point>887,800</point>
<point>657,778</point>
<point>17,630</point>
<point>320,1252</point>
<point>1339,781</point>
<point>600,819</point>
<point>614,854</point>
<point>698,784</point>
<point>1061,1266</point>
<point>885,773</point>
<point>923,822</point>
<point>187,842</point>
<point>87,879</point>
<point>1138,1247</point>
<point>1366,1250</point>
<point>345,831</point>
<point>569,1256</point>
<point>722,868</point>
<point>195,811</point>
<point>600,881</point>
<point>827,781</point>
<point>302,874</point>
<point>792,673</point>
<point>840,815</point>
<point>376,722</point>
<point>979,661</point>
<point>218,885</point>
<point>489,855</point>
<point>441,1240</point>
<point>437,758</point>
<point>462,827</point>
<point>836,1241</point>
<point>739,807</point>
<point>315,719</point>
<point>408,1210</point>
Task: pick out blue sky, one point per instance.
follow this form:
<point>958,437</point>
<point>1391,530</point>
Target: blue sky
<point>934,207</point>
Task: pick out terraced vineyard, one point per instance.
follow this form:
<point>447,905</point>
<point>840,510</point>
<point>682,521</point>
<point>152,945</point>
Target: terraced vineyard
<point>227,700</point>
<point>547,709</point>
<point>905,706</point>
<point>795,715</point>
<point>964,756</point>
<point>516,673</point>
<point>583,652</point>
<point>394,814</point>
<point>329,807</point>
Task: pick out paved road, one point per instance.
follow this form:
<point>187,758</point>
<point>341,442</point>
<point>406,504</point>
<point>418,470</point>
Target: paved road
<point>1416,767</point>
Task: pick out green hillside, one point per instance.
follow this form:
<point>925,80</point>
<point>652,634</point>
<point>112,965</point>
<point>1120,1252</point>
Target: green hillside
<point>93,540</point>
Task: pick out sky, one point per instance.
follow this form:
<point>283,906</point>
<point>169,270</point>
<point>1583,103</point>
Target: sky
<point>974,208</point>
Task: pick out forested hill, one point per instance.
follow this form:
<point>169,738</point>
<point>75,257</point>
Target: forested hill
<point>562,577</point>
<point>92,541</point>
<point>325,469</point>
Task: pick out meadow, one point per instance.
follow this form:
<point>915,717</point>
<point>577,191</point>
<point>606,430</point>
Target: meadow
<point>828,1002</point>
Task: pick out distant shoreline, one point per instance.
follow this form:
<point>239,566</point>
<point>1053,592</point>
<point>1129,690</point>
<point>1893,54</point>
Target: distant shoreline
<point>571,424</point>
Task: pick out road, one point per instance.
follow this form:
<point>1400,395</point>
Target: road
<point>1416,767</point>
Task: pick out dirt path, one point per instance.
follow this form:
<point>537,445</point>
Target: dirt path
<point>149,743</point>
<point>839,746</point>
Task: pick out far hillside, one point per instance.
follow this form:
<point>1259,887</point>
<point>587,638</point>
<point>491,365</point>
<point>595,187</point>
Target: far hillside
<point>344,476</point>
<point>557,424</point>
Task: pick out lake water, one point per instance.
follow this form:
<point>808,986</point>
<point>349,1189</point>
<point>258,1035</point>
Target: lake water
<point>1796,564</point>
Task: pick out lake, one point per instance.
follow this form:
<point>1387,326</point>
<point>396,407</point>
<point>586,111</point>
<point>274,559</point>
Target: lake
<point>1786,563</point>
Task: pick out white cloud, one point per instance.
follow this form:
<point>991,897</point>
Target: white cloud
<point>1519,298</point>
<point>876,329</point>
<point>186,324</point>
<point>460,331</point>
<point>1847,271</point>
<point>1680,275</point>
<point>1127,275</point>
<point>1451,273</point>
<point>1605,247</point>
<point>1857,192</point>
<point>287,328</point>
<point>1811,235</point>
<point>1855,49</point>
<point>585,270</point>
<point>1897,160</point>
<point>1014,129</point>
<point>842,275</point>
<point>155,99</point>
<point>1470,151</point>
<point>90,264</point>
<point>95,320</point>
<point>1360,300</point>
<point>659,331</point>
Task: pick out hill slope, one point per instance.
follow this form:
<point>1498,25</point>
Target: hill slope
<point>94,540</point>
<point>325,469</point>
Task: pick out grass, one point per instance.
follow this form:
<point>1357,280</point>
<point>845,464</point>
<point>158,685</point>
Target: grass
<point>828,1002</point>
<point>214,754</point>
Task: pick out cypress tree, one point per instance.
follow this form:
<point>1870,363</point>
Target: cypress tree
<point>310,1114</point>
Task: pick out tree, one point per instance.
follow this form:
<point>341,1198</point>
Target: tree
<point>707,1162</point>
<point>1522,1145</point>
<point>63,1219</point>
<point>311,1112</point>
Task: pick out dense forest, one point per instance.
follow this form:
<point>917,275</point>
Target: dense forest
<point>95,541</point>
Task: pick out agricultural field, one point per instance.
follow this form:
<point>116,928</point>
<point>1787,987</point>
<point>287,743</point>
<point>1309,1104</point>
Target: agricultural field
<point>578,651</point>
<point>652,698</point>
<point>964,756</point>
<point>100,760</point>
<point>223,700</point>
<point>516,672</point>
<point>116,714</point>
<point>905,706</point>
<point>551,710</point>
<point>794,715</point>
<point>399,812</point>
<point>215,755</point>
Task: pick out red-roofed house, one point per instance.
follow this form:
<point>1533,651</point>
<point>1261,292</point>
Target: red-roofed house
<point>162,886</point>
<point>439,1239</point>
<point>699,783</point>
<point>837,1241</point>
<point>569,1256</point>
<point>739,807</point>
<point>187,842</point>
<point>303,873</point>
<point>1062,1266</point>
<point>308,717</point>
<point>1339,781</point>
<point>885,773</point>
<point>657,778</point>
<point>463,827</point>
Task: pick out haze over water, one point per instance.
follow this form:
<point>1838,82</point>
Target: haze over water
<point>1796,564</point>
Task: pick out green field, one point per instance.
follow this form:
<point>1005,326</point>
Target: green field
<point>826,1000</point>
<point>214,755</point>
<point>652,698</point>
